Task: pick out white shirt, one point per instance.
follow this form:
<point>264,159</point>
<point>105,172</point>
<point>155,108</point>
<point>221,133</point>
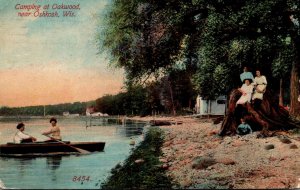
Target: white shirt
<point>260,80</point>
<point>19,136</point>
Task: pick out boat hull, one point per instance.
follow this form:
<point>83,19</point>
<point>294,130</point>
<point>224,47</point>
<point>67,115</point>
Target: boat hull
<point>49,148</point>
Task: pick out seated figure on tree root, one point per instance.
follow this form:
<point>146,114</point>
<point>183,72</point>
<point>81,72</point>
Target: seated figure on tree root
<point>243,128</point>
<point>263,114</point>
<point>246,75</point>
<point>268,118</point>
<point>246,91</point>
<point>260,83</point>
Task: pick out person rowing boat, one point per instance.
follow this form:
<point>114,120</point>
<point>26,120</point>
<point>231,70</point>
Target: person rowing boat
<point>53,131</point>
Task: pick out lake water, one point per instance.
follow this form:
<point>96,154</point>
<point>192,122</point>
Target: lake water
<point>63,172</point>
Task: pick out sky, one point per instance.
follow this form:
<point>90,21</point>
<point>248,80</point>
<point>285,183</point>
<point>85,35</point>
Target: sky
<point>51,60</point>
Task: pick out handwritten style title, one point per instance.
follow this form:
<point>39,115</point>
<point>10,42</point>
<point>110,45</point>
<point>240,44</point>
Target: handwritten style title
<point>47,10</point>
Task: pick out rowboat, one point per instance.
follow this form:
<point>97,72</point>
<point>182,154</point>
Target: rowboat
<point>49,148</point>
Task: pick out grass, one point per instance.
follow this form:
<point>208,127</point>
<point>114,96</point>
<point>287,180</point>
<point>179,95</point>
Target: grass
<point>145,175</point>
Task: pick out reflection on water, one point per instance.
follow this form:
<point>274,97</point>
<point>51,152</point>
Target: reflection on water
<point>59,172</point>
<point>23,164</point>
<point>106,121</point>
<point>53,163</point>
<point>128,128</point>
<point>131,130</point>
<point>102,121</point>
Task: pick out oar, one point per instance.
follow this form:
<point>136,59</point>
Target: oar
<point>77,149</point>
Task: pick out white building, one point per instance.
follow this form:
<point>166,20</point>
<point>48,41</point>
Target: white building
<point>96,114</point>
<point>90,110</point>
<point>66,113</point>
<point>211,107</point>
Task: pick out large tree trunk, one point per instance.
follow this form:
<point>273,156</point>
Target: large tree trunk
<point>295,104</point>
<point>281,92</point>
<point>265,116</point>
<point>172,99</point>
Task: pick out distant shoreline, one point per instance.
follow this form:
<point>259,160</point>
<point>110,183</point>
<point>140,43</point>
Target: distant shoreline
<point>56,116</point>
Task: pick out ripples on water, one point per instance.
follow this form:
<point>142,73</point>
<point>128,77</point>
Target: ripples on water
<point>68,172</point>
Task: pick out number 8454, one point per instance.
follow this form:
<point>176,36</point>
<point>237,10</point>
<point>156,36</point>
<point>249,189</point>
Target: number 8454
<point>81,178</point>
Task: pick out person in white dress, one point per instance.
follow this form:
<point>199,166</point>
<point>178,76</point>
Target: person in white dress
<point>260,83</point>
<point>246,91</point>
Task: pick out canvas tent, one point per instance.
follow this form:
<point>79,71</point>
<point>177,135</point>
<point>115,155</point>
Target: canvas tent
<point>211,107</point>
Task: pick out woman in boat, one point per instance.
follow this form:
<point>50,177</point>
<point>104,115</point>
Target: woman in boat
<point>53,131</point>
<point>260,83</point>
<point>246,91</point>
<point>21,137</point>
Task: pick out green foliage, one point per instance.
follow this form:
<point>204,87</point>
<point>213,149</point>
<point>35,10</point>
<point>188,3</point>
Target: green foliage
<point>237,34</point>
<point>73,108</point>
<point>132,102</point>
<point>209,40</point>
<point>144,37</point>
<point>282,64</point>
<point>175,89</point>
<point>145,175</point>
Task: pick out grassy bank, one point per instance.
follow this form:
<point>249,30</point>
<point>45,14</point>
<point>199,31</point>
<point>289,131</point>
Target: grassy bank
<point>142,169</point>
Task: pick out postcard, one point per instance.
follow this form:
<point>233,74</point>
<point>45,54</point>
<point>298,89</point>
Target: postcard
<point>49,56</point>
<point>120,94</point>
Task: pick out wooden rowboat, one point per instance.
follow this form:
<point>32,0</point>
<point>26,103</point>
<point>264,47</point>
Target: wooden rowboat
<point>48,148</point>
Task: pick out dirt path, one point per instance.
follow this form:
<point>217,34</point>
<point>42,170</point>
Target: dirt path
<point>198,158</point>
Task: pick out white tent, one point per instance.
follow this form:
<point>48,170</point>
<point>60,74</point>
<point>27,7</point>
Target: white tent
<point>211,107</point>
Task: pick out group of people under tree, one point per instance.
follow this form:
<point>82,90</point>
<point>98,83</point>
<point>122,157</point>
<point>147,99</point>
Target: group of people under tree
<point>53,133</point>
<point>252,91</point>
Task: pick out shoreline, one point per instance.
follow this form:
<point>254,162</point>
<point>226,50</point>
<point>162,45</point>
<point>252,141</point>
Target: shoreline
<point>196,157</point>
<point>143,168</point>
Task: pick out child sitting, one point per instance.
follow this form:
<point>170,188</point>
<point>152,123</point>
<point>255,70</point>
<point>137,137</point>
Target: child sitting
<point>243,128</point>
